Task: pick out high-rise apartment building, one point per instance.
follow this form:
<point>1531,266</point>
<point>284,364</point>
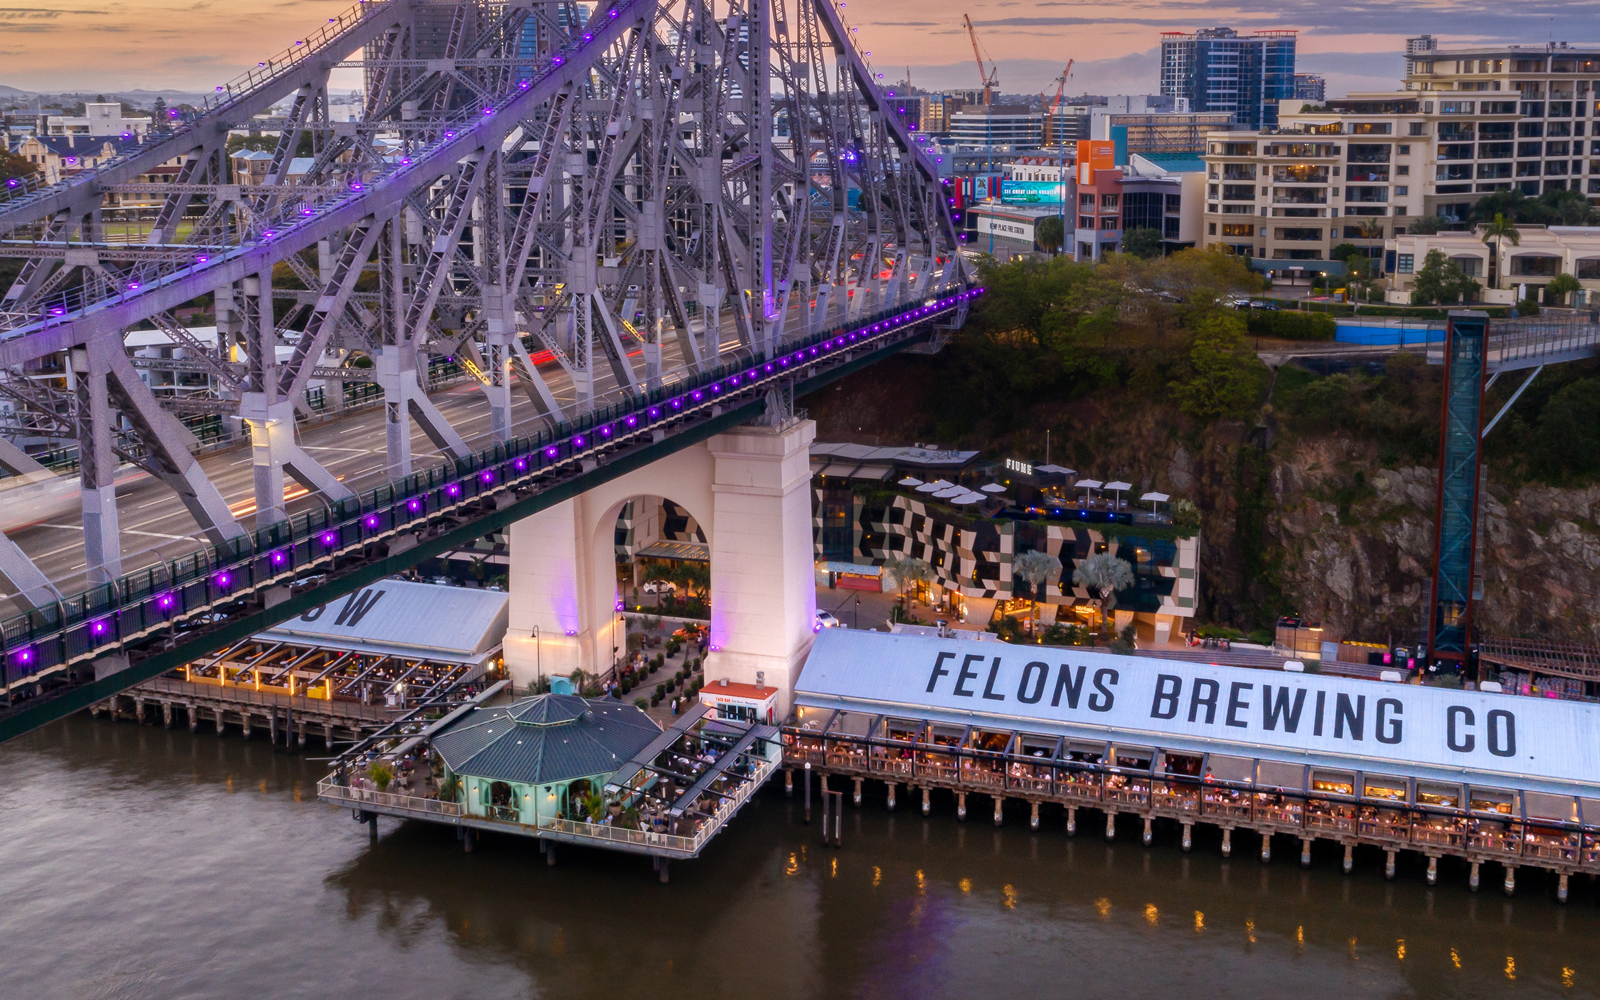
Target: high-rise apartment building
<point>1310,87</point>
<point>1217,69</point>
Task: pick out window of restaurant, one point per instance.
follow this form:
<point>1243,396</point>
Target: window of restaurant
<point>1275,774</point>
<point>1380,786</point>
<point>1438,796</point>
<point>1086,752</point>
<point>1333,782</point>
<point>1500,801</point>
<point>1178,763</point>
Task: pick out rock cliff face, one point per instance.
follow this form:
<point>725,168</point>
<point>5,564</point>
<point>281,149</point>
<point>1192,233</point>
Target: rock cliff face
<point>1314,524</point>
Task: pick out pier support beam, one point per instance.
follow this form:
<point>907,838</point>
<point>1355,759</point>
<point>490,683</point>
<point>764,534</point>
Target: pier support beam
<point>927,800</point>
<point>856,799</point>
<point>961,805</point>
<point>372,828</point>
<point>788,783</point>
<point>1266,847</point>
<point>663,869</point>
<point>166,715</point>
<point>469,839</point>
<point>1111,826</point>
<point>194,719</point>
<point>1227,842</point>
<point>1072,821</point>
<point>1433,869</point>
<point>1305,852</point>
<point>244,723</point>
<point>1472,877</point>
<point>220,723</point>
<point>1033,817</point>
<point>272,728</point>
<point>999,810</point>
<point>1561,888</point>
<point>1388,864</point>
<point>891,795</point>
<point>550,855</point>
<point>1349,858</point>
<point>1511,880</point>
<point>1149,835</point>
<point>1188,837</point>
<point>327,735</point>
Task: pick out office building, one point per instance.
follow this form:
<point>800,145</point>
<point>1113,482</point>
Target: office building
<point>998,126</point>
<point>1217,69</point>
<point>99,120</point>
<point>1310,87</point>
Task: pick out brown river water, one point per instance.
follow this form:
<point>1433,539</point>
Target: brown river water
<point>137,862</point>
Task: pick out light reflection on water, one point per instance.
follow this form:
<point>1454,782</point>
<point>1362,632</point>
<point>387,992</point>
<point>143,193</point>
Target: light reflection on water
<point>138,862</point>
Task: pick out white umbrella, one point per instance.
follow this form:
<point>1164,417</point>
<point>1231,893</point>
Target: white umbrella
<point>1154,498</point>
<point>909,481</point>
<point>1118,487</point>
<point>929,488</point>
<point>954,491</point>
<point>992,488</point>
<point>1086,485</point>
<point>968,498</point>
<point>943,484</point>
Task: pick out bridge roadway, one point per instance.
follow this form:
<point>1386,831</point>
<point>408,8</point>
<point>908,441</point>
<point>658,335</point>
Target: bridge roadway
<point>44,518</point>
<point>101,642</point>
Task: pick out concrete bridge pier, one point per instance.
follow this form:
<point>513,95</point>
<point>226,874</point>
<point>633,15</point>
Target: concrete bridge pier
<point>1433,869</point>
<point>961,805</point>
<point>1188,837</point>
<point>1227,841</point>
<point>1033,816</point>
<point>272,728</point>
<point>855,798</point>
<point>1266,847</point>
<point>1472,877</point>
<point>1149,835</point>
<point>1305,852</point>
<point>194,717</point>
<point>220,723</point>
<point>927,800</point>
<point>788,782</point>
<point>1072,821</point>
<point>891,795</point>
<point>1349,858</point>
<point>1561,888</point>
<point>166,715</point>
<point>1511,880</point>
<point>1111,826</point>
<point>244,723</point>
<point>1388,864</point>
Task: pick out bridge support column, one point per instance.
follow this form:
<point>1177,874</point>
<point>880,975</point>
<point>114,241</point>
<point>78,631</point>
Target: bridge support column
<point>1111,826</point>
<point>1305,852</point>
<point>1349,858</point>
<point>856,797</point>
<point>272,728</point>
<point>1388,864</point>
<point>1511,880</point>
<point>194,718</point>
<point>219,721</point>
<point>927,800</point>
<point>1227,842</point>
<point>961,805</point>
<point>1561,888</point>
<point>1266,847</point>
<point>273,452</point>
<point>550,855</point>
<point>1472,876</point>
<point>891,796</point>
<point>999,811</point>
<point>166,715</point>
<point>327,735</point>
<point>1148,837</point>
<point>1433,870</point>
<point>763,590</point>
<point>1072,821</point>
<point>1033,816</point>
<point>469,840</point>
<point>788,782</point>
<point>1188,837</point>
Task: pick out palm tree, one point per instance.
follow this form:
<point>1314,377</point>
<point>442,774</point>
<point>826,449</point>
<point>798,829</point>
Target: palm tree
<point>1103,575</point>
<point>1499,229</point>
<point>908,574</point>
<point>1033,568</point>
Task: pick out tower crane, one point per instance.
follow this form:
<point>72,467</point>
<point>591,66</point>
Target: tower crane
<point>989,76</point>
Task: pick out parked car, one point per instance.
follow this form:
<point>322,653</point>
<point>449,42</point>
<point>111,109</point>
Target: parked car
<point>689,633</point>
<point>825,619</point>
<point>659,587</point>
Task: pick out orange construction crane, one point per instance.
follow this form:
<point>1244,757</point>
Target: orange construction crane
<point>989,76</point>
<point>1061,86</point>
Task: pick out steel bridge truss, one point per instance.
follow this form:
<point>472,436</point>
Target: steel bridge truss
<point>646,189</point>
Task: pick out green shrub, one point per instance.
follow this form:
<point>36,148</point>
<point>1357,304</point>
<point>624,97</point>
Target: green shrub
<point>1285,325</point>
<point>640,704</point>
<point>1528,307</point>
<point>661,691</point>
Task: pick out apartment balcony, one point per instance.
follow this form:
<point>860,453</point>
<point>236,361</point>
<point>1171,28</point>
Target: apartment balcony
<point>1300,196</point>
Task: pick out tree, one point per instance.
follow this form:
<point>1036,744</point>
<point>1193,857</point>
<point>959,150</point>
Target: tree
<point>1427,225</point>
<point>13,166</point>
<point>907,575</point>
<point>1499,229</point>
<point>1441,281</point>
<point>1344,251</point>
<point>1142,241</point>
<point>1568,443</point>
<point>1033,568</point>
<point>1049,233</point>
<point>1560,287</point>
<point>1103,574</point>
<point>1224,377</point>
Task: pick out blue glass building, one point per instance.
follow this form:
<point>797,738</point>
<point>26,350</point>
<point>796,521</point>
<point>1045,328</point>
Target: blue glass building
<point>1217,69</point>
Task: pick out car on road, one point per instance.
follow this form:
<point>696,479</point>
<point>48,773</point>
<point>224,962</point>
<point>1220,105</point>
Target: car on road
<point>659,587</point>
<point>825,619</point>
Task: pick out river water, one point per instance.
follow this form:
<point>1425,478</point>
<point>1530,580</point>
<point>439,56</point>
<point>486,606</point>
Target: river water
<point>139,862</point>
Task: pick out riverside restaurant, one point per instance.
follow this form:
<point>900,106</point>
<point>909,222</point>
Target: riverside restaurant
<point>1488,778</point>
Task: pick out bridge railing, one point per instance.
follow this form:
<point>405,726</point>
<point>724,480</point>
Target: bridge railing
<point>187,590</point>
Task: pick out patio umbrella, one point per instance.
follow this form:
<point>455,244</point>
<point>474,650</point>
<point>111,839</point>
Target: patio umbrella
<point>992,488</point>
<point>1087,485</point>
<point>1154,498</point>
<point>909,481</point>
<point>953,491</point>
<point>929,488</point>
<point>968,498</point>
<point>943,484</point>
<point>1118,487</point>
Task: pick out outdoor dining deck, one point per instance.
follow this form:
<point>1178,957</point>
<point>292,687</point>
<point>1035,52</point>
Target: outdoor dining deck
<point>1480,825</point>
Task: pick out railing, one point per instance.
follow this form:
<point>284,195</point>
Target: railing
<point>104,618</point>
<point>330,790</point>
<point>244,694</point>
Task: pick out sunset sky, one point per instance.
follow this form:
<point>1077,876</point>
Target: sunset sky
<point>179,44</point>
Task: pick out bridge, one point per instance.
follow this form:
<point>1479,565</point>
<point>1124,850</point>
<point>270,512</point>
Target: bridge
<point>635,229</point>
